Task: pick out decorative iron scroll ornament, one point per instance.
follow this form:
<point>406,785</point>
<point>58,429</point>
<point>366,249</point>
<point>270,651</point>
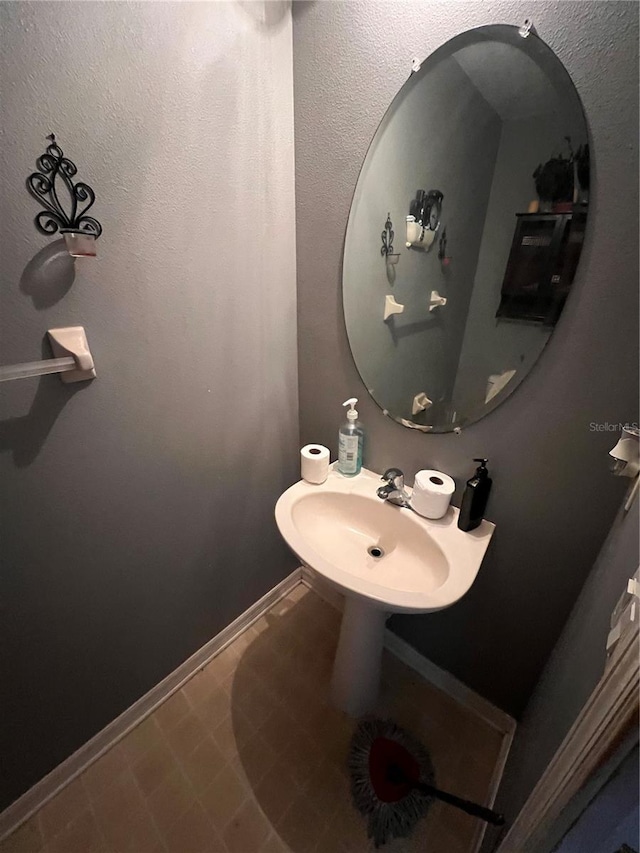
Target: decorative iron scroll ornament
<point>387,238</point>
<point>56,173</point>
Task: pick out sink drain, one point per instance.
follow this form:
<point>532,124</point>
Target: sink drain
<point>375,551</point>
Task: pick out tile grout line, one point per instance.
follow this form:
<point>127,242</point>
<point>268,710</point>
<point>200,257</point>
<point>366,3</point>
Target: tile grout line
<point>180,767</point>
<point>185,776</point>
<point>149,812</point>
<point>235,811</point>
<point>107,846</point>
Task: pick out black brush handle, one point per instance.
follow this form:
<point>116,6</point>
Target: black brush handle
<point>396,774</point>
<point>466,805</point>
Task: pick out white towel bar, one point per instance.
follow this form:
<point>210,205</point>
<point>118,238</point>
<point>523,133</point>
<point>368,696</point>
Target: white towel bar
<point>37,368</point>
<point>72,358</point>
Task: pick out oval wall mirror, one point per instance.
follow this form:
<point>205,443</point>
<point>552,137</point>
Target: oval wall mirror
<point>466,228</point>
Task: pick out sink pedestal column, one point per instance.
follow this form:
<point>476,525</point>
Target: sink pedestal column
<point>356,671</point>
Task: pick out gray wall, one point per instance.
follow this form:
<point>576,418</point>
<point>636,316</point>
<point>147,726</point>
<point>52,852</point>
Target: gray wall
<point>553,496</point>
<point>132,506</point>
<point>575,666</point>
<point>418,350</point>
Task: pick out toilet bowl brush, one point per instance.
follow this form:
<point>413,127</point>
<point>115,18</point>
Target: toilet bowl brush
<point>392,781</point>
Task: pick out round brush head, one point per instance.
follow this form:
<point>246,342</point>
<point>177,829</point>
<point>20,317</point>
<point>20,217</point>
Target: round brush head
<point>385,762</point>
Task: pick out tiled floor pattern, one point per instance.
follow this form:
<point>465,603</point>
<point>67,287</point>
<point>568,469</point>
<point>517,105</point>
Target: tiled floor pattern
<point>249,758</point>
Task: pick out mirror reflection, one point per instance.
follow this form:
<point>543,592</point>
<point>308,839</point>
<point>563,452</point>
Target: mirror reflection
<point>466,228</point>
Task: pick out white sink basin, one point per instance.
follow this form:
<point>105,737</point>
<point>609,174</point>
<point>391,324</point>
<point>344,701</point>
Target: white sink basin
<point>426,565</point>
<point>383,558</point>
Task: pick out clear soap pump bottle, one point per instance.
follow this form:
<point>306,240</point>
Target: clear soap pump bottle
<point>350,442</point>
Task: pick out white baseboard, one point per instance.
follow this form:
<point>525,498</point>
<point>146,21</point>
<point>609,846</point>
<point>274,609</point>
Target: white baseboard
<point>75,764</point>
<point>71,767</point>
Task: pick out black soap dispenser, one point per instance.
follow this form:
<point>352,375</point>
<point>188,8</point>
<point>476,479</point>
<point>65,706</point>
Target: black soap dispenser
<point>474,500</point>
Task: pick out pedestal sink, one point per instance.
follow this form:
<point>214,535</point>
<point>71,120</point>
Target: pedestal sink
<point>384,559</point>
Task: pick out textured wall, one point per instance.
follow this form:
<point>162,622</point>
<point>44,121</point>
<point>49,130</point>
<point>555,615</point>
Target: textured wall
<point>553,497</point>
<point>132,506</point>
<point>575,666</point>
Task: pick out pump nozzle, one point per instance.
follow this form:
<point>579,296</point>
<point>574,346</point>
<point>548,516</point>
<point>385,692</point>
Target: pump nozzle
<point>352,415</point>
<point>481,471</point>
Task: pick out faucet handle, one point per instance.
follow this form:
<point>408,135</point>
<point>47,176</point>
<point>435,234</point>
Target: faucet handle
<point>395,477</point>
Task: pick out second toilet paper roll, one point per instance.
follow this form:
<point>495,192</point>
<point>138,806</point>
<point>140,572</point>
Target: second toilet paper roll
<point>432,492</point>
<point>314,463</point>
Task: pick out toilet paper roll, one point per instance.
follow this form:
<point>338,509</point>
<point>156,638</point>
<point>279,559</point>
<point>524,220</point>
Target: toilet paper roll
<point>314,463</point>
<point>432,492</point>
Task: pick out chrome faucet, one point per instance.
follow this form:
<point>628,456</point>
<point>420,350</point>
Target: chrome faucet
<point>394,492</point>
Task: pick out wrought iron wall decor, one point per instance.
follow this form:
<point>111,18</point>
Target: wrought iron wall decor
<point>442,248</point>
<point>69,218</point>
<point>387,238</point>
<point>386,250</point>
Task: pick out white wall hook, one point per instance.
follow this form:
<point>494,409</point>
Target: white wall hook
<point>436,301</point>
<point>72,341</point>
<point>526,29</point>
<point>391,307</point>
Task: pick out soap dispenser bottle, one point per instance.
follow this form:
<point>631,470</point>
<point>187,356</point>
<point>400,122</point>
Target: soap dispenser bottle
<point>474,500</point>
<point>350,442</point>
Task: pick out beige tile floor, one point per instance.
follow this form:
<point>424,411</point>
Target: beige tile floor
<point>249,758</point>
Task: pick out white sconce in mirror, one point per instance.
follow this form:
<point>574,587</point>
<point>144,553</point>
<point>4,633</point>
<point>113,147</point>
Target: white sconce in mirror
<point>423,221</point>
<point>52,184</point>
<point>420,403</point>
<point>626,455</point>
<point>436,301</point>
<point>391,307</point>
